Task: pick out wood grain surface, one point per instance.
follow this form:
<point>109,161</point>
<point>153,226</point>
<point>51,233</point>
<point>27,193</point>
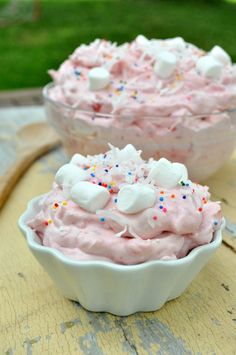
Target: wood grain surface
<point>28,144</point>
<point>36,319</point>
<point>21,97</point>
<point>24,136</point>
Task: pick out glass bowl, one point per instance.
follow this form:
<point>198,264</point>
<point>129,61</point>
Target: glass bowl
<point>202,142</point>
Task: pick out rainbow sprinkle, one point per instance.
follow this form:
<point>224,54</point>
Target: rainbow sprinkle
<point>48,221</point>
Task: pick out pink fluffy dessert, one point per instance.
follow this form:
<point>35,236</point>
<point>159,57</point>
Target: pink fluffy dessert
<point>167,97</point>
<point>120,208</point>
<point>136,89</point>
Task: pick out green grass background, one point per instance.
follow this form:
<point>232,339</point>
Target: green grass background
<point>28,50</point>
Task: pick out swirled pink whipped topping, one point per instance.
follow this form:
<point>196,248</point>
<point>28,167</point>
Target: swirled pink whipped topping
<point>153,222</point>
<point>135,87</point>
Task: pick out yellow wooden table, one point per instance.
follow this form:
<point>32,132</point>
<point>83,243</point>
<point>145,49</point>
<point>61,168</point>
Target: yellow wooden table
<point>36,319</point>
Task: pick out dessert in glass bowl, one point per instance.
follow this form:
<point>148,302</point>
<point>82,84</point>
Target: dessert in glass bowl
<point>122,234</point>
<point>167,97</point>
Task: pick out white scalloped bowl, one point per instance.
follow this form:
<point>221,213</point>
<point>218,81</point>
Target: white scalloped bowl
<point>122,290</point>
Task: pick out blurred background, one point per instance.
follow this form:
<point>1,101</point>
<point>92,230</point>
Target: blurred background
<point>36,35</point>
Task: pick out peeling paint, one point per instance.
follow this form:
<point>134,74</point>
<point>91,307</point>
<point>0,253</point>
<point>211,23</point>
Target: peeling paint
<point>215,321</point>
<point>28,344</point>
<point>100,322</point>
<point>89,345</point>
<point>152,331</point>
<point>69,324</point>
<point>48,337</point>
<point>128,343</point>
<point>26,328</point>
<point>9,352</point>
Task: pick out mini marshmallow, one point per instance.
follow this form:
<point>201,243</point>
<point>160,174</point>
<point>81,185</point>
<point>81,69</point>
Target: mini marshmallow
<point>220,54</point>
<point>70,174</point>
<point>182,169</point>
<point>142,41</point>
<point>135,198</point>
<point>166,174</point>
<point>127,153</point>
<point>209,67</point>
<point>79,159</point>
<point>98,78</point>
<point>177,43</point>
<point>89,196</point>
<point>165,64</point>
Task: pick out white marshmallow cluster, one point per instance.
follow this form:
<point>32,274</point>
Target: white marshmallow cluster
<point>132,197</point>
<point>99,78</point>
<point>165,174</point>
<point>73,180</point>
<point>165,53</point>
<point>212,64</point>
<point>127,153</point>
<point>70,174</point>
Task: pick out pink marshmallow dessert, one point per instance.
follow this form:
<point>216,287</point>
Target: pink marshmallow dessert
<point>120,208</point>
<point>121,234</point>
<point>166,97</point>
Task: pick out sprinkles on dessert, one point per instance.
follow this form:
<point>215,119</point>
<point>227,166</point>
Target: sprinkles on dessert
<point>138,77</point>
<point>121,208</point>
